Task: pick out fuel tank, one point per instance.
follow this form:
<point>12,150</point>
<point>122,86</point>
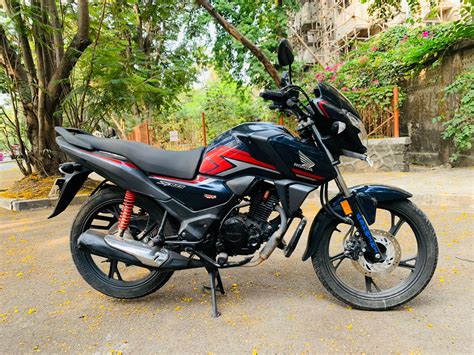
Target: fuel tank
<point>268,151</point>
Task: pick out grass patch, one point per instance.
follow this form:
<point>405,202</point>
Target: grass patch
<point>35,187</point>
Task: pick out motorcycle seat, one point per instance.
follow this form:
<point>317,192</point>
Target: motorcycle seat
<point>178,164</point>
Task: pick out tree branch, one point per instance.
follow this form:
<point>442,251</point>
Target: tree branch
<point>13,10</point>
<point>57,34</point>
<point>79,43</point>
<point>12,63</point>
<point>257,52</point>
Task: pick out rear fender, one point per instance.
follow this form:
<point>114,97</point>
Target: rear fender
<point>367,197</point>
<point>74,177</point>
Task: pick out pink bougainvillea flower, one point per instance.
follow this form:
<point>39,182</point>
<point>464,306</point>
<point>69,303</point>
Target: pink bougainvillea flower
<point>373,49</point>
<point>344,89</point>
<point>425,34</point>
<point>363,60</point>
<point>328,68</point>
<point>320,76</point>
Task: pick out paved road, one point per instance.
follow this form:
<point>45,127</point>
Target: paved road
<point>9,173</point>
<point>279,307</point>
<point>7,165</point>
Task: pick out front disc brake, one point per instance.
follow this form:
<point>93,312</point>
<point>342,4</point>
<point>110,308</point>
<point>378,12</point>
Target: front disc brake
<point>392,255</point>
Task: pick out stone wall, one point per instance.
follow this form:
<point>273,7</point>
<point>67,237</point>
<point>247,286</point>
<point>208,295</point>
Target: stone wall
<point>387,154</point>
<point>425,100</point>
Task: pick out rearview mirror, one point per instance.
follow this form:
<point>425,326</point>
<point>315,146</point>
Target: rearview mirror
<point>285,53</point>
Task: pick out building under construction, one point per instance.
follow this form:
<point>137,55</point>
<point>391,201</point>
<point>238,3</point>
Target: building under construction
<point>322,30</point>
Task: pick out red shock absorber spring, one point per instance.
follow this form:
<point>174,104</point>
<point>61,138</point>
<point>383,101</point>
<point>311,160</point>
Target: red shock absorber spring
<point>127,209</point>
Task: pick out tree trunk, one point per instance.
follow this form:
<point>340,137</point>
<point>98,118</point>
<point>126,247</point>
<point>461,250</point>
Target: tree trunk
<point>242,39</point>
<point>41,81</point>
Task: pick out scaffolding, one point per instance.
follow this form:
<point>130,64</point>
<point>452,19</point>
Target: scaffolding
<point>323,30</point>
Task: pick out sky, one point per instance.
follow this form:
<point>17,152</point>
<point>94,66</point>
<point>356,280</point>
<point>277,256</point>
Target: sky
<point>3,99</point>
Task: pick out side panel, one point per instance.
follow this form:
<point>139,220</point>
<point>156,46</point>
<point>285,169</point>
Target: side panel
<point>323,220</point>
<point>123,173</point>
<point>198,194</point>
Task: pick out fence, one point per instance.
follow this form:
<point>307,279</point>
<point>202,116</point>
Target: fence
<point>385,123</point>
<point>190,133</point>
<point>141,133</point>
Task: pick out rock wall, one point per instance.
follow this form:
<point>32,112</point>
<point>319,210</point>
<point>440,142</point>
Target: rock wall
<point>425,100</point>
<point>387,154</point>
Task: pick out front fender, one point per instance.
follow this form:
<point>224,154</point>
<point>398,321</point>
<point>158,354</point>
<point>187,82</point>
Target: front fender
<point>368,196</point>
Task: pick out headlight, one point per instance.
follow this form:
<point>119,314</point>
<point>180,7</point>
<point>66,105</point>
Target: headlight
<point>364,138</point>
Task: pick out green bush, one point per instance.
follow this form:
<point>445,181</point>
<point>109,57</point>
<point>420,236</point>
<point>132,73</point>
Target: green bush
<point>367,73</point>
<point>459,127</point>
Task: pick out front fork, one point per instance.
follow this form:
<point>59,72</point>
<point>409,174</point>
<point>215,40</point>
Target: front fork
<point>354,212</point>
<point>350,207</point>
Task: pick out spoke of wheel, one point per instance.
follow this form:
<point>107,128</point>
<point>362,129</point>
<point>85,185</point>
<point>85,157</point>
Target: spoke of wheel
<point>93,226</point>
<point>395,227</point>
<point>339,257</point>
<point>404,263</point>
<point>369,282</point>
<point>115,211</point>
<point>104,218</point>
<point>113,270</point>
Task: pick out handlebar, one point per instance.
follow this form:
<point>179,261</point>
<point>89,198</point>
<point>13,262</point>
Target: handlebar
<point>273,95</point>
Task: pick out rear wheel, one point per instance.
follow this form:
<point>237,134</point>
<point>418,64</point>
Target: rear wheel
<point>408,241</point>
<point>112,277</point>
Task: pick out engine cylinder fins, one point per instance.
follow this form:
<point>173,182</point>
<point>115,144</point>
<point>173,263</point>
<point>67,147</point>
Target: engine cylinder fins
<point>262,204</point>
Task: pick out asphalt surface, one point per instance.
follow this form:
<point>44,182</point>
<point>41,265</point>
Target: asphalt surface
<point>278,307</point>
<point>6,165</point>
<point>9,173</point>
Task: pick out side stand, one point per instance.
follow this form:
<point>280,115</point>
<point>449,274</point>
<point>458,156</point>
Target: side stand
<point>215,276</point>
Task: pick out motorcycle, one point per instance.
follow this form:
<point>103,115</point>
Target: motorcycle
<point>231,204</point>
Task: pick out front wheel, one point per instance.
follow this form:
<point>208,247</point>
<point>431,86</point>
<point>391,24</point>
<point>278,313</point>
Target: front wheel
<point>408,241</point>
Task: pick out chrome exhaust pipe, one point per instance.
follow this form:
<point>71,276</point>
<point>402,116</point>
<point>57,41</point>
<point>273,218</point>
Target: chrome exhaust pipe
<point>94,243</point>
<point>134,252</point>
<point>274,240</point>
<point>150,256</point>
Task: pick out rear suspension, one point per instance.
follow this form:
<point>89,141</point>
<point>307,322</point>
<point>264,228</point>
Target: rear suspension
<point>127,210</point>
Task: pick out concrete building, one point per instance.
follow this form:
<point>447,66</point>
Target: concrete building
<point>322,30</point>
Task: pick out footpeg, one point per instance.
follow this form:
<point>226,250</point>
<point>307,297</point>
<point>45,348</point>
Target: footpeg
<point>222,258</point>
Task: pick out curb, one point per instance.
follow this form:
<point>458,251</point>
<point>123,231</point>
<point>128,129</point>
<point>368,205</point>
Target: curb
<point>465,202</point>
<point>29,205</point>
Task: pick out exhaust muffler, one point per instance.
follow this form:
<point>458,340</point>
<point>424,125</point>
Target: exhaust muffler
<point>134,252</point>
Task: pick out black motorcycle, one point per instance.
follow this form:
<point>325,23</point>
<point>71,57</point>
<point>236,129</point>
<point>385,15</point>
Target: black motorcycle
<point>231,204</point>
